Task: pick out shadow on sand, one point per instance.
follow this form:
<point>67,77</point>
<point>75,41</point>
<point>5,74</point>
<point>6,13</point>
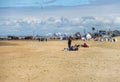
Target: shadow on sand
<point>7,44</point>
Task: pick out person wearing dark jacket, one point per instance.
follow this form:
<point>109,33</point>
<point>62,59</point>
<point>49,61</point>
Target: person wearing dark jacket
<point>69,42</point>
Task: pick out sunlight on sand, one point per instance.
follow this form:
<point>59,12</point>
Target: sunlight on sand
<point>33,61</point>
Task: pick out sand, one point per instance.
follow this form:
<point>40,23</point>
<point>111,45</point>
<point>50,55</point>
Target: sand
<point>33,61</point>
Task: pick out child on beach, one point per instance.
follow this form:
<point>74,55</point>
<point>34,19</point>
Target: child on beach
<point>85,45</point>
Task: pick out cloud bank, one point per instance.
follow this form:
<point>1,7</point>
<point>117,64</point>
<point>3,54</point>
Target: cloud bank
<point>36,26</point>
<point>37,20</point>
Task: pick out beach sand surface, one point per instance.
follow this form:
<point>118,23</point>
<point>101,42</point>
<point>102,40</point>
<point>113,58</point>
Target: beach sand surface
<point>34,61</point>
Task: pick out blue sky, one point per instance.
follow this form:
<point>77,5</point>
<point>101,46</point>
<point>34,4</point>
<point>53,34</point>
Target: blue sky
<point>39,3</point>
<point>32,17</point>
<point>44,3</point>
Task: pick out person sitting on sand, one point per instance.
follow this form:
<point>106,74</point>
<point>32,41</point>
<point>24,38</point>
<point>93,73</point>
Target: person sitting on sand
<point>85,45</point>
<point>72,48</point>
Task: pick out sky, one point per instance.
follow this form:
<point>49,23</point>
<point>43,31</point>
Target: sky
<point>41,17</point>
<point>39,3</point>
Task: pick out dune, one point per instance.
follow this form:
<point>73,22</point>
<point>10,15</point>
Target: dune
<point>34,61</point>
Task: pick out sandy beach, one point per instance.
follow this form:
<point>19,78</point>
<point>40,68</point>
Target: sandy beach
<point>34,61</point>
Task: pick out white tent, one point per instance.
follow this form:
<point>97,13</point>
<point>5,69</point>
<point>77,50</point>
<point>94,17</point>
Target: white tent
<point>88,36</point>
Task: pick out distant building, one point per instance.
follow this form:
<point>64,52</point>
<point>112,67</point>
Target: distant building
<point>116,33</point>
<point>3,37</point>
<point>102,32</point>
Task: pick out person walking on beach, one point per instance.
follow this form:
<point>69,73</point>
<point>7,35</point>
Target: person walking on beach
<point>69,41</point>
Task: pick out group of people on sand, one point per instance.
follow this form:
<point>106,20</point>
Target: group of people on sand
<point>74,47</point>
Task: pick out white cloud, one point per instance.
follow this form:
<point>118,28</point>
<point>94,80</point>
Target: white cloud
<point>31,20</point>
<point>117,20</point>
<point>28,25</point>
<point>105,19</point>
